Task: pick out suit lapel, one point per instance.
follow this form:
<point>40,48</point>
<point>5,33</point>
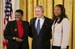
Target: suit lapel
<point>34,28</point>
<point>43,26</point>
<point>14,28</point>
<point>24,26</point>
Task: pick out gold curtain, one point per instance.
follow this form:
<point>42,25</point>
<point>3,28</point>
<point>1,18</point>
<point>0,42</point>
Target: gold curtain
<point>28,6</point>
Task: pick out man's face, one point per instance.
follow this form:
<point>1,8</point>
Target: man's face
<point>38,12</point>
<point>18,16</point>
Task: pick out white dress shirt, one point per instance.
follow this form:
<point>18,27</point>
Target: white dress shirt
<point>41,22</point>
<point>60,33</point>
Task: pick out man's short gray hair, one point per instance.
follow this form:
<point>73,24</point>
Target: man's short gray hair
<point>41,7</point>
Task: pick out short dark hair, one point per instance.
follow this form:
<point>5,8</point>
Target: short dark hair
<point>19,11</point>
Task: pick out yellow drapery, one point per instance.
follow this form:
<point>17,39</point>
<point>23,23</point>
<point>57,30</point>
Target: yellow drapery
<point>28,6</point>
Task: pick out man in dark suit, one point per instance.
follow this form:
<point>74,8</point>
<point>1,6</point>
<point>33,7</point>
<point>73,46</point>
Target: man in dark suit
<point>40,30</point>
<point>16,32</point>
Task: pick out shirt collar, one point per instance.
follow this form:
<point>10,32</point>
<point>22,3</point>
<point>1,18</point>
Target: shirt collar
<point>42,18</point>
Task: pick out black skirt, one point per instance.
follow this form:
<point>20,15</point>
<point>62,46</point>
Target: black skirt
<point>58,47</point>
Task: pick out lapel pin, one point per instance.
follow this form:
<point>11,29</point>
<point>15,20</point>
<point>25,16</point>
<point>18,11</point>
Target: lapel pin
<point>15,29</point>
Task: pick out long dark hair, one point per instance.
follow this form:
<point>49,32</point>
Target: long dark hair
<point>62,15</point>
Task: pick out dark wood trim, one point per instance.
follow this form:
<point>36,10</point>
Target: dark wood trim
<point>72,23</point>
<point>52,8</point>
<point>26,10</point>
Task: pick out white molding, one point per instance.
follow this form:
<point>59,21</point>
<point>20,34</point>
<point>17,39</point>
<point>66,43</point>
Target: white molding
<point>2,2</point>
<point>15,5</point>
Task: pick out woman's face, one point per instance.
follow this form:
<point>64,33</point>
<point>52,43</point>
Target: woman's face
<point>18,16</point>
<point>57,11</point>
